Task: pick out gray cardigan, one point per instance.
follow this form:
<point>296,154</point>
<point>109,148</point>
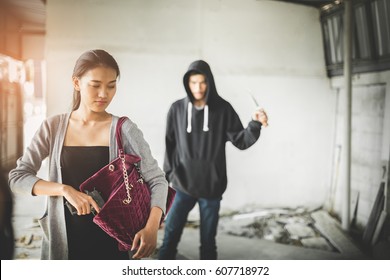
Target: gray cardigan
<point>48,142</point>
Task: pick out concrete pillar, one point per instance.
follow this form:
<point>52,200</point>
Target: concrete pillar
<point>348,112</point>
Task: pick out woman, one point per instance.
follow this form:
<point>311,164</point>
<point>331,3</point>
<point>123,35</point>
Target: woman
<point>78,144</point>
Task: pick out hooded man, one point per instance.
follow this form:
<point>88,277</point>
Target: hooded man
<point>198,127</point>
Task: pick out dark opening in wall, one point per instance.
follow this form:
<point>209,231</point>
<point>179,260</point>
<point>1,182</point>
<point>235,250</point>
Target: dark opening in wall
<point>371,36</point>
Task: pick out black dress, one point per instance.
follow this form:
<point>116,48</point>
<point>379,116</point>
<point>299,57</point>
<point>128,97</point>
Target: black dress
<point>86,241</point>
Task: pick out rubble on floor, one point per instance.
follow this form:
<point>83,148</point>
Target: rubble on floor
<point>299,227</point>
<point>282,225</point>
<point>28,239</point>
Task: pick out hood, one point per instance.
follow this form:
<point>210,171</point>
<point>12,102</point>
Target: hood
<point>203,68</point>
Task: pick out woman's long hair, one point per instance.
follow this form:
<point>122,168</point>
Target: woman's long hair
<point>90,60</point>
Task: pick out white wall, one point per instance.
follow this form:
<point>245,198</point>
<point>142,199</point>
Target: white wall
<point>272,48</point>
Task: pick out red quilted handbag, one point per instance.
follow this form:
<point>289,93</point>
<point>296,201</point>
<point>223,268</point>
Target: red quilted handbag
<point>127,196</point>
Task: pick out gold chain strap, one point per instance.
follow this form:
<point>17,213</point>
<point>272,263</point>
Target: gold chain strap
<point>126,179</point>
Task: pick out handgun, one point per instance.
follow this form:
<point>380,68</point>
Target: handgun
<point>95,195</point>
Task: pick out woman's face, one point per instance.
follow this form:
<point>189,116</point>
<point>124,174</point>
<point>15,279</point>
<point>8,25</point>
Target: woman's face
<point>97,88</point>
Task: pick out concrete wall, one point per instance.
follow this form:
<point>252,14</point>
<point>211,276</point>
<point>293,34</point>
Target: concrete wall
<point>370,142</point>
<point>274,49</point>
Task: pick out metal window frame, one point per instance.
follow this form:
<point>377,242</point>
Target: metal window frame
<point>364,32</point>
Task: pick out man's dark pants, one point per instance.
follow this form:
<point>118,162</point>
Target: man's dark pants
<point>177,218</point>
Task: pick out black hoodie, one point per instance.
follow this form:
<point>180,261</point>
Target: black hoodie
<point>195,160</point>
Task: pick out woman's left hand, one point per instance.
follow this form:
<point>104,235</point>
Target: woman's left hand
<point>145,241</point>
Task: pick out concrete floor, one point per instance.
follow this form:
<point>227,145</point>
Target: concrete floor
<point>229,247</point>
<point>241,248</point>
<point>29,236</point>
<point>232,247</point>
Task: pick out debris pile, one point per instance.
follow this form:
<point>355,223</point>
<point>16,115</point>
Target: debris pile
<point>287,226</point>
<point>28,240</point>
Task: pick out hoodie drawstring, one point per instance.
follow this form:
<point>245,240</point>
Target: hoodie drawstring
<point>205,118</point>
<point>189,117</point>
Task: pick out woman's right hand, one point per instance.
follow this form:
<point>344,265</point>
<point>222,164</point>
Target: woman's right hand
<point>81,201</point>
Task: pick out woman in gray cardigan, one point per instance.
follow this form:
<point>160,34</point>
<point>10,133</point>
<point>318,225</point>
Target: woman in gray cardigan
<point>78,144</point>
